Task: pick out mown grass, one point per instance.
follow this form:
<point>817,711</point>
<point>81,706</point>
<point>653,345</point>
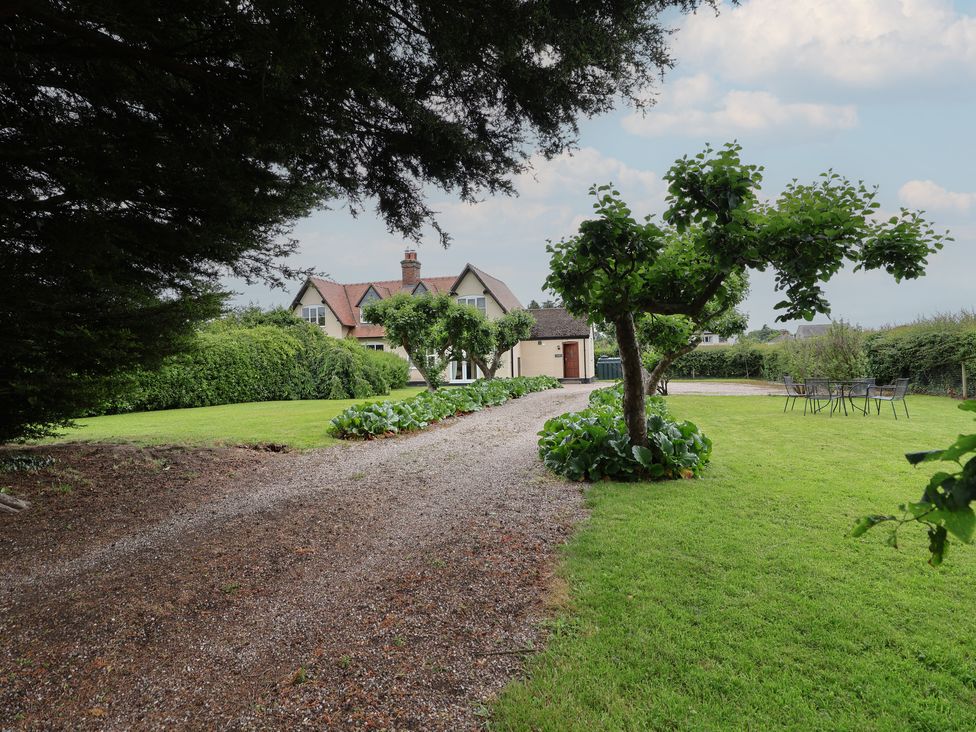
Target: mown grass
<point>737,602</point>
<point>298,424</point>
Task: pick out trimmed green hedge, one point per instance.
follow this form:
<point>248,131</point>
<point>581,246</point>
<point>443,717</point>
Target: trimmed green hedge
<point>928,353</point>
<point>255,356</point>
<point>389,418</point>
<point>931,360</point>
<point>593,444</point>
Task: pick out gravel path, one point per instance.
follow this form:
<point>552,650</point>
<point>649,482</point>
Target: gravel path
<point>389,584</point>
<point>725,388</point>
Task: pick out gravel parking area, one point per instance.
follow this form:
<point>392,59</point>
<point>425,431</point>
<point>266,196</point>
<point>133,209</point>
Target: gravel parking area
<point>393,584</point>
<point>726,388</point>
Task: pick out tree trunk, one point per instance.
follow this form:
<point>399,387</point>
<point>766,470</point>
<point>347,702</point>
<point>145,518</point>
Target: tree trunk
<point>635,416</point>
<point>488,371</point>
<point>654,378</point>
<point>9,504</point>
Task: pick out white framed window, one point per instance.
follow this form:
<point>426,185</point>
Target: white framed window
<point>375,346</point>
<point>314,314</point>
<point>475,301</point>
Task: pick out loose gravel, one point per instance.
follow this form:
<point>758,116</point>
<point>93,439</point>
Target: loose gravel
<point>395,584</point>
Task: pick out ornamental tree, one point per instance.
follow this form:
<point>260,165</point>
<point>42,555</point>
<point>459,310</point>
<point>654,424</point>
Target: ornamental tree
<point>148,149</point>
<point>715,228</point>
<point>487,341</point>
<point>669,337</point>
<point>429,328</point>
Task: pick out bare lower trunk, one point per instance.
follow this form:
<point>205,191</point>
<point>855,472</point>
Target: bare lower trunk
<point>635,416</point>
<point>654,378</point>
<point>9,504</point>
<point>488,370</point>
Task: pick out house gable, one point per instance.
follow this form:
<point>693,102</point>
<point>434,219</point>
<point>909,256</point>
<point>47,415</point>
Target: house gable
<point>473,281</point>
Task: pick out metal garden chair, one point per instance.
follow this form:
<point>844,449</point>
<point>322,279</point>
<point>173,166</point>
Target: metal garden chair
<point>890,393</point>
<point>793,391</point>
<point>817,391</point>
<point>858,389</point>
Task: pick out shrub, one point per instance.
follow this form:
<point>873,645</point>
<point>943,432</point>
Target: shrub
<point>838,354</point>
<point>593,444</point>
<point>612,397</point>
<point>743,360</point>
<point>253,355</point>
<point>928,352</point>
<point>387,418</point>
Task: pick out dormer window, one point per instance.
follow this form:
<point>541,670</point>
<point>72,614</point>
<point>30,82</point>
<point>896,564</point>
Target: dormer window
<point>370,296</point>
<point>420,289</point>
<point>475,301</point>
<point>314,314</point>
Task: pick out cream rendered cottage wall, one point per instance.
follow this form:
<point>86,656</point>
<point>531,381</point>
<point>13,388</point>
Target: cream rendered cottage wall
<point>471,285</point>
<point>332,325</point>
<point>545,357</point>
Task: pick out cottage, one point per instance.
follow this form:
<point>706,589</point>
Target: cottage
<point>561,345</point>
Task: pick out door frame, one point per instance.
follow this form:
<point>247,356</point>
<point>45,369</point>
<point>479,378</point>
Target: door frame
<point>575,348</point>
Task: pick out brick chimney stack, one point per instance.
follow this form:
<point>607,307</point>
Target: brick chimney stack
<point>410,268</point>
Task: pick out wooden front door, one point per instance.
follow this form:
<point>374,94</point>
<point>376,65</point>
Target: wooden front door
<point>570,360</point>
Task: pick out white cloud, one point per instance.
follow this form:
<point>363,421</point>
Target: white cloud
<point>553,193</point>
<point>694,106</point>
<point>860,43</point>
<point>927,194</point>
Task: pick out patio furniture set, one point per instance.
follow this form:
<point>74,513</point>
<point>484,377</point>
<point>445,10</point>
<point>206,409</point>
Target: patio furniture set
<point>818,394</point>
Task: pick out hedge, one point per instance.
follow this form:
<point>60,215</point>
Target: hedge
<point>928,353</point>
<point>930,360</point>
<point>253,359</point>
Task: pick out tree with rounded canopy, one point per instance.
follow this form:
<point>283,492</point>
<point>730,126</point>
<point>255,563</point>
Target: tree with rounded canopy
<point>669,337</point>
<point>487,341</point>
<point>716,227</point>
<point>150,149</point>
<point>430,328</point>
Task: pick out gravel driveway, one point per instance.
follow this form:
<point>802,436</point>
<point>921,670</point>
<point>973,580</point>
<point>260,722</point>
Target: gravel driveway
<point>395,584</point>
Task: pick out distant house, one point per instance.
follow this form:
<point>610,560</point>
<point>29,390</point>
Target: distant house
<point>561,345</point>
<point>811,330</point>
<point>714,339</point>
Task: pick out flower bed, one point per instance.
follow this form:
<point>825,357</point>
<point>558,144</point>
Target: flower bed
<point>593,444</point>
<point>388,418</point>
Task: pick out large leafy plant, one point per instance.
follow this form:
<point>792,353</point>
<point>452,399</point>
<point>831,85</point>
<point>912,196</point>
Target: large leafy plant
<point>593,444</point>
<point>389,418</point>
<point>945,507</point>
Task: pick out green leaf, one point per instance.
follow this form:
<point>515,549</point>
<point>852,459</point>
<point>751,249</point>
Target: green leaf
<point>937,545</point>
<point>961,523</point>
<point>643,455</point>
<point>968,406</point>
<point>963,445</point>
<point>920,457</point>
<point>865,523</point>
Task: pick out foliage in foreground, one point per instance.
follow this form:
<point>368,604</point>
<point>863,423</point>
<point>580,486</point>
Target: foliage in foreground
<point>593,444</point>
<point>388,418</point>
<point>155,151</point>
<point>944,508</point>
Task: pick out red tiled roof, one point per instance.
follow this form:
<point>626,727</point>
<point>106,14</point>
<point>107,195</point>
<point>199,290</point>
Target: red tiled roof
<point>344,298</point>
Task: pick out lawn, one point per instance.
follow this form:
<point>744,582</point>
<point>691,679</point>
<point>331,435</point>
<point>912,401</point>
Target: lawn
<point>300,424</point>
<point>736,602</point>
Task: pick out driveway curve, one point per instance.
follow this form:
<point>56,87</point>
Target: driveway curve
<point>388,584</point>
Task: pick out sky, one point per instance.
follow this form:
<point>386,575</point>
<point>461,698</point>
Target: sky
<point>878,90</point>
